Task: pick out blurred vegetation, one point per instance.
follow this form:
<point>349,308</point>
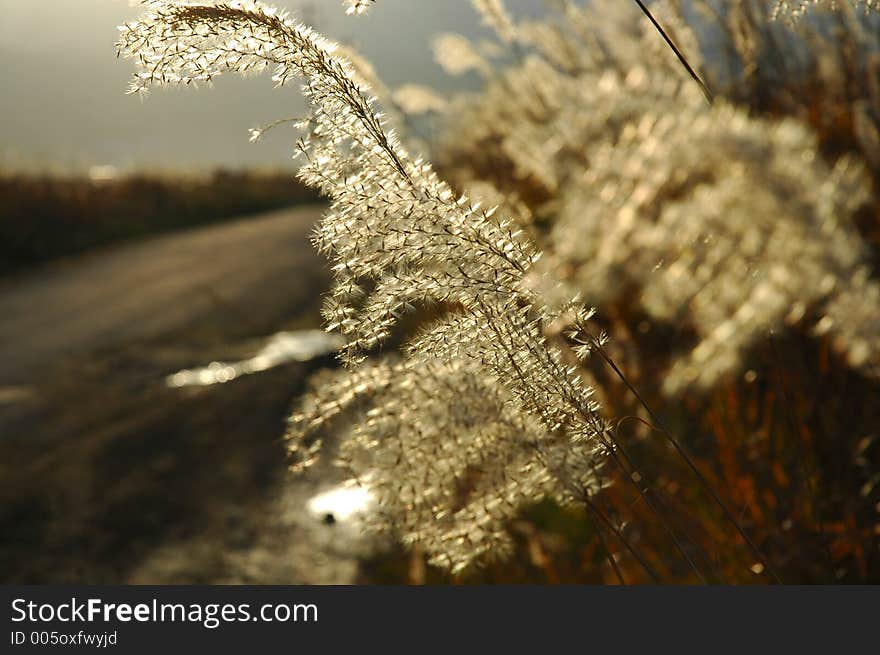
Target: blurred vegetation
<point>789,442</point>
<point>45,217</point>
<point>791,447</point>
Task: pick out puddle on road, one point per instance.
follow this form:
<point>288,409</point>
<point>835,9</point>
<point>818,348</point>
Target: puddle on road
<point>348,501</point>
<point>280,348</point>
<point>343,505</point>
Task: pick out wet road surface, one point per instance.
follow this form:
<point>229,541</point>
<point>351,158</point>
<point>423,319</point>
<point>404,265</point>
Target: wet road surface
<point>110,476</point>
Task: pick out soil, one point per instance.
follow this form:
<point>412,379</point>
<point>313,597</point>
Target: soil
<point>108,475</point>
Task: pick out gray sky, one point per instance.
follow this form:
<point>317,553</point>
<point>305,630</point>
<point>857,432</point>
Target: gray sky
<point>63,102</point>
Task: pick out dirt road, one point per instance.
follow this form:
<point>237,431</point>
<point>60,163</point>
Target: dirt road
<point>110,476</point>
<point>231,279</point>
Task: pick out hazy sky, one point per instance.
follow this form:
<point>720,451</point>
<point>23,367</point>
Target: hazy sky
<point>63,102</point>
